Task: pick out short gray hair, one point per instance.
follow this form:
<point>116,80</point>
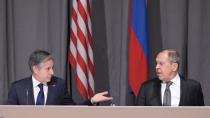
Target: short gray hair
<point>38,57</point>
<point>173,56</point>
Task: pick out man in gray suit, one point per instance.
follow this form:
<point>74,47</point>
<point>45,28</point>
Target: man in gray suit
<point>170,88</point>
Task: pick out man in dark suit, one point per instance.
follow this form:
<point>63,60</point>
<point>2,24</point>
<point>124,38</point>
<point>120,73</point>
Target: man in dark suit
<point>42,88</point>
<point>170,89</point>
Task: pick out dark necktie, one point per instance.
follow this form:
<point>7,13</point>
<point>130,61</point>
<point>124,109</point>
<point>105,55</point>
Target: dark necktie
<point>167,95</point>
<point>40,97</point>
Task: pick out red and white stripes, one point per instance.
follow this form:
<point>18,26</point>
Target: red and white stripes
<point>81,47</point>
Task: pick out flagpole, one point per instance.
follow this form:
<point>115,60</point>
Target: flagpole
<point>68,65</point>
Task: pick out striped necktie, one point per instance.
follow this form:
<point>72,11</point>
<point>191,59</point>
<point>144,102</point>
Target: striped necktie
<point>167,95</point>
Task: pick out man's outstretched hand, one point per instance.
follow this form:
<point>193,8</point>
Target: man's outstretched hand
<point>100,97</point>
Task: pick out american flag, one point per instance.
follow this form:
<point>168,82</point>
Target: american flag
<point>81,47</point>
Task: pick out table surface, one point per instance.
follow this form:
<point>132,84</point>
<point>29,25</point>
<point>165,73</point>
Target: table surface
<point>10,111</point>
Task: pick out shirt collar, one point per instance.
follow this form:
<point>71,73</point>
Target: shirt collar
<point>176,79</point>
<point>36,82</point>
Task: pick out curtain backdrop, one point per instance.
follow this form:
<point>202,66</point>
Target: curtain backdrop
<point>27,25</point>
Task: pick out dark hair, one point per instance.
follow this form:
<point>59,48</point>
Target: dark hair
<point>38,57</point>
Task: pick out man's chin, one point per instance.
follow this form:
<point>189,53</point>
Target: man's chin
<point>160,78</point>
<point>49,80</point>
<point>158,75</point>
<point>163,79</point>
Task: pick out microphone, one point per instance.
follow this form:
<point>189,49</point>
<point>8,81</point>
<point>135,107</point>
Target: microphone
<point>27,96</point>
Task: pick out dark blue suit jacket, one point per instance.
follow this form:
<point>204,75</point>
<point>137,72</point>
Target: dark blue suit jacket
<point>21,93</point>
<point>191,93</point>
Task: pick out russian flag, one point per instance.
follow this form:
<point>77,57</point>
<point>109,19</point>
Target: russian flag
<point>139,48</point>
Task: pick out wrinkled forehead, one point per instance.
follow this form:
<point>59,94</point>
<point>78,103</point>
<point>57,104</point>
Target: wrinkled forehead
<point>162,56</point>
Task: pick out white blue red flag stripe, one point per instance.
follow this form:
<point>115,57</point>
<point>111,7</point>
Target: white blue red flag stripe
<point>138,52</point>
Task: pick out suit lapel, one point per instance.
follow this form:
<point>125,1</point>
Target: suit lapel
<point>182,91</point>
<point>155,98</point>
<point>158,88</point>
<point>51,92</point>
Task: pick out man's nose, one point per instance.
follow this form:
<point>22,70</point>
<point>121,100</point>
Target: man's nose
<point>51,72</point>
<point>157,66</point>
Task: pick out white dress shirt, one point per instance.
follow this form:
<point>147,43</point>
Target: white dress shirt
<point>36,89</point>
<point>175,90</point>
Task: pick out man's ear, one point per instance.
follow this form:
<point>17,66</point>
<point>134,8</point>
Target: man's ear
<point>35,69</point>
<point>175,66</point>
